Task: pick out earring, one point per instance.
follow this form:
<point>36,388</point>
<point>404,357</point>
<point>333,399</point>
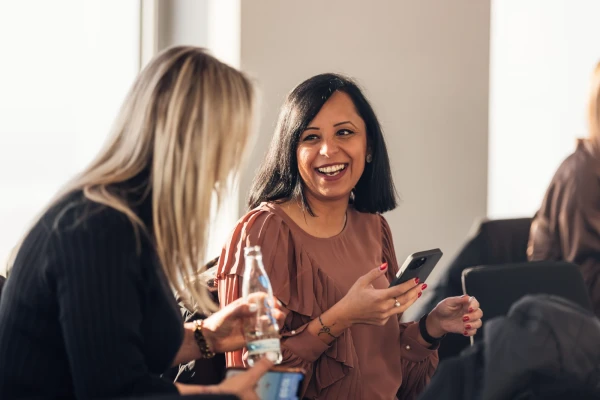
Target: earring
<point>369,158</point>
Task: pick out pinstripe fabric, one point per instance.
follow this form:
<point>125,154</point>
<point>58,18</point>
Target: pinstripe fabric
<point>83,313</point>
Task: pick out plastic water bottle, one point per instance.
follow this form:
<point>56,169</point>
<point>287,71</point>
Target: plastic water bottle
<point>262,331</point>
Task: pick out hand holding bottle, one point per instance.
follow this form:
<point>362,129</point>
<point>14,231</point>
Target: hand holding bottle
<point>261,330</point>
<point>224,330</point>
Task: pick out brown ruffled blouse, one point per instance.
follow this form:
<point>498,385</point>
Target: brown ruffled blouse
<point>309,275</point>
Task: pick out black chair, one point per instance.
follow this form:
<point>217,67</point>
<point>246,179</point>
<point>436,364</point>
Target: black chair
<point>497,288</point>
<point>493,242</point>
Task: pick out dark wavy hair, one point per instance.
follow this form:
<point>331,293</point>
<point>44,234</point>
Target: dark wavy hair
<point>278,178</point>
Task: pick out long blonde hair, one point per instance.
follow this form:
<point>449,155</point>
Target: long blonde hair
<point>594,109</point>
<point>187,119</point>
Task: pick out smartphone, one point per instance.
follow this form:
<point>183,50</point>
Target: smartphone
<point>417,265</point>
<point>277,384</point>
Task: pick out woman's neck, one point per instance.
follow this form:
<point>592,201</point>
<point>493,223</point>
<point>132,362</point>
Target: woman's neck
<point>329,217</point>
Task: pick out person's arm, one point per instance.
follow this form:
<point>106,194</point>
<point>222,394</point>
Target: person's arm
<point>223,330</point>
<point>419,361</point>
<point>189,349</point>
<point>458,314</point>
<point>363,304</point>
<point>419,357</point>
<point>242,385</point>
<point>98,281</point>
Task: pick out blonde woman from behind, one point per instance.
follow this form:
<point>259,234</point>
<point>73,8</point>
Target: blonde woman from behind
<point>89,299</point>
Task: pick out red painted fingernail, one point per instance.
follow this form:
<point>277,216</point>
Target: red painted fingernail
<point>419,295</point>
<point>468,326</point>
<point>470,309</point>
<point>383,267</point>
<point>466,333</point>
<point>416,280</point>
<point>466,318</point>
<point>424,286</point>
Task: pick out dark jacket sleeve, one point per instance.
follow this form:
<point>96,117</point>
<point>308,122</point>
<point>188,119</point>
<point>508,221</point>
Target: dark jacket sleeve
<point>99,284</point>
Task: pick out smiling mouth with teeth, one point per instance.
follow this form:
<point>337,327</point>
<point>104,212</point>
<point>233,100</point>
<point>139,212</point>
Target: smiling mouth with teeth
<point>332,170</point>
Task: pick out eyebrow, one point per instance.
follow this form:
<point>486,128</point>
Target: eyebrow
<point>345,122</point>
<point>308,128</point>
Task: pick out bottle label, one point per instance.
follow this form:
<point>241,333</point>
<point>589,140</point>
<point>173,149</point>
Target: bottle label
<point>263,346</point>
<point>263,281</point>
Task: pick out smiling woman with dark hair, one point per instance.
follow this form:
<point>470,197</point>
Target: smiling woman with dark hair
<point>315,211</point>
<point>279,177</point>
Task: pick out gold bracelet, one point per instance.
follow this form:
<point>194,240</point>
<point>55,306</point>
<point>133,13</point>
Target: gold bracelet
<point>205,351</point>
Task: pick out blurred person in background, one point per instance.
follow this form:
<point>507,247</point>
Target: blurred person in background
<point>567,226</point>
<point>316,207</point>
<point>88,310</point>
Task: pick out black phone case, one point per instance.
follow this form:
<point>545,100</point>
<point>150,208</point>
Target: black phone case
<point>421,264</point>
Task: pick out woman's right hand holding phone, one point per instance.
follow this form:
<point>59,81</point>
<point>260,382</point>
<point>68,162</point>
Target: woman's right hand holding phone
<point>363,304</point>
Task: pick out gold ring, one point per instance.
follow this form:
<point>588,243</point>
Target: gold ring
<point>396,302</point>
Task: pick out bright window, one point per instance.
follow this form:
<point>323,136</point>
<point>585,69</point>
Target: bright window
<point>66,67</point>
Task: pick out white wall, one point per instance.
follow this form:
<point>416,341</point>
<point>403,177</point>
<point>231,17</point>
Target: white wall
<point>424,66</point>
<point>182,22</point>
<point>542,56</point>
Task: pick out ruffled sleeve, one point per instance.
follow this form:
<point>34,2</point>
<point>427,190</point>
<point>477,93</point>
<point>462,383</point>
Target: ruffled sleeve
<point>303,288</point>
<point>418,362</point>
